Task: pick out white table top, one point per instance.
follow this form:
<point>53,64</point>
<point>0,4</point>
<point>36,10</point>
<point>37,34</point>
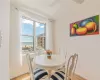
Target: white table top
<point>43,61</point>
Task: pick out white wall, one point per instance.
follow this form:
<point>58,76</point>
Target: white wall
<point>88,47</point>
<point>4,50</point>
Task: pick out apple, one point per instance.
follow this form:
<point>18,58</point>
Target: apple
<point>81,31</point>
<point>75,25</point>
<point>91,26</point>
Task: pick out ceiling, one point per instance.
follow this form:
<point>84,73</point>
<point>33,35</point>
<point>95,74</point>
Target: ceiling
<point>45,7</point>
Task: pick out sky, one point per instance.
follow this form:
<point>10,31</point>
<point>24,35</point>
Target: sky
<point>27,29</point>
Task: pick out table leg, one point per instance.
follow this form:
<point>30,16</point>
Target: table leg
<point>49,74</point>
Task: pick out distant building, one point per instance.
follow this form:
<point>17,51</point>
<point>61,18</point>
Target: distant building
<point>41,40</point>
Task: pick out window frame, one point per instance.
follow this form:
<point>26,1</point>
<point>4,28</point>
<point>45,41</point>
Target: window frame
<point>34,32</point>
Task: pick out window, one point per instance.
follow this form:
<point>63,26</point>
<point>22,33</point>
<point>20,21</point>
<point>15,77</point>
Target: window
<point>33,35</point>
<point>40,34</point>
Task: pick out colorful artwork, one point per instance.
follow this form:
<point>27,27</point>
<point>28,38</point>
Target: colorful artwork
<point>89,26</point>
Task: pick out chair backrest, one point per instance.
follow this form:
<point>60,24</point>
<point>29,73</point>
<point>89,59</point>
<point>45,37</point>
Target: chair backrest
<point>71,66</point>
<point>30,61</point>
<point>39,51</point>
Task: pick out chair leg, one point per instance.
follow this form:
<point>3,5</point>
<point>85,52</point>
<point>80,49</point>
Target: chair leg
<point>31,77</point>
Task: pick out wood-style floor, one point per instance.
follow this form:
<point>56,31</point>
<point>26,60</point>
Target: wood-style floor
<point>22,77</point>
<point>27,77</point>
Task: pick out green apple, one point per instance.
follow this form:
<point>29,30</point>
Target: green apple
<point>75,26</point>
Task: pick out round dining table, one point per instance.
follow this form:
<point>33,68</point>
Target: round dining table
<point>54,63</point>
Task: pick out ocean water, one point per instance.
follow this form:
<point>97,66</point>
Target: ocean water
<point>27,43</point>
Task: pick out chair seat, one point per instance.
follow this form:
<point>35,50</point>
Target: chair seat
<point>40,73</point>
<point>61,69</point>
<point>59,75</point>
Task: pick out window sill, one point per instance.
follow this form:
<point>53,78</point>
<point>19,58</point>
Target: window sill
<point>23,54</point>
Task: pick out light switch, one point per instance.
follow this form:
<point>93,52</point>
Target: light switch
<point>0,38</point>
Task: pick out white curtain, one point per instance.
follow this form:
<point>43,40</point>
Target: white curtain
<point>14,42</point>
<point>49,34</point>
<point>17,59</point>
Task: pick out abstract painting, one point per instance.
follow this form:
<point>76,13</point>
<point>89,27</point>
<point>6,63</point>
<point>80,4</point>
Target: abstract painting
<point>89,26</point>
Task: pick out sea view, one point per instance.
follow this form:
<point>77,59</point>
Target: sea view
<point>27,44</point>
<point>27,38</point>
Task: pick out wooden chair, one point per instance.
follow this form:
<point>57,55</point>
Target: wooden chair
<point>71,66</point>
<point>68,70</point>
<point>39,50</point>
<point>35,73</point>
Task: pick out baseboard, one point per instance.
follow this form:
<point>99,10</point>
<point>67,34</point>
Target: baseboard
<point>79,77</point>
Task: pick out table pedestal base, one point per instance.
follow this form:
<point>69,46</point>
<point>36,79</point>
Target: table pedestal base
<point>49,74</point>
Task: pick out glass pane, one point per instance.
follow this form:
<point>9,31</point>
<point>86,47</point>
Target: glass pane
<point>40,35</point>
<point>27,43</point>
<point>27,27</point>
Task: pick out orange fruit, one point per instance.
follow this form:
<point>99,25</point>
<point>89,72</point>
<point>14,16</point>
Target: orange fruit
<point>81,31</point>
<point>91,26</point>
